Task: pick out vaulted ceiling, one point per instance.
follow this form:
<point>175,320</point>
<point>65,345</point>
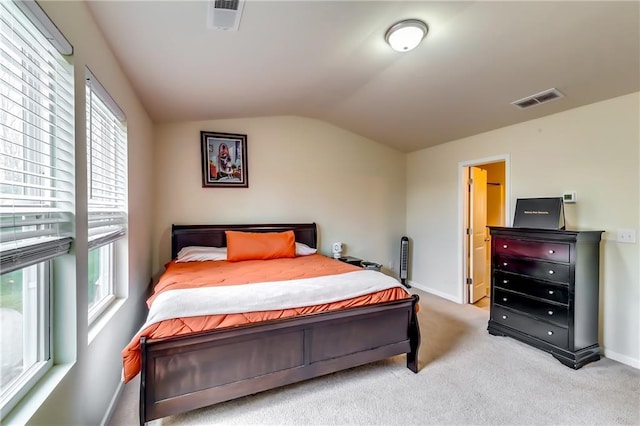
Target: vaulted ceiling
<point>329,60</point>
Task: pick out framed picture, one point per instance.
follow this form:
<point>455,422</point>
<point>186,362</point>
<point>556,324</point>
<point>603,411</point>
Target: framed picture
<point>224,160</point>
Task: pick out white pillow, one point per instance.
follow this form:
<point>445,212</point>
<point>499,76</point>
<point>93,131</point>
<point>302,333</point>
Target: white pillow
<point>201,254</point>
<point>304,250</point>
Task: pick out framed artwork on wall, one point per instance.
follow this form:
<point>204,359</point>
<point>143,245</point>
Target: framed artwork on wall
<point>224,160</point>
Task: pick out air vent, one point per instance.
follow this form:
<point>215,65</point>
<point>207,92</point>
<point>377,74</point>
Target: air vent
<point>224,15</point>
<point>538,98</point>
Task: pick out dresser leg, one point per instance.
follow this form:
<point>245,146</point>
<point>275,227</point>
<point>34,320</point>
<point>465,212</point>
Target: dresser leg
<point>494,332</point>
<point>582,357</point>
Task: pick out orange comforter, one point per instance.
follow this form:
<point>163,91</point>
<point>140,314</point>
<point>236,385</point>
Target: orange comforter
<point>223,273</point>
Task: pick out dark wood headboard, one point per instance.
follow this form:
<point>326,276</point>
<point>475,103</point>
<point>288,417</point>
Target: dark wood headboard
<point>214,236</point>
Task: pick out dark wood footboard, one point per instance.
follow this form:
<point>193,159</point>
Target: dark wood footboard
<point>189,372</point>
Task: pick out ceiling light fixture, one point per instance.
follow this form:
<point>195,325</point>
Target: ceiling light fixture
<point>406,35</point>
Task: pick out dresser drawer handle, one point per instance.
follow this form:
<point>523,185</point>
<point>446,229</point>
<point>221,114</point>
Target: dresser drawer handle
<point>551,251</point>
<point>550,312</point>
<point>551,291</point>
<point>505,246</point>
<point>550,333</point>
<point>551,272</point>
<point>504,299</point>
<point>504,263</point>
<point>505,281</point>
<point>504,317</point>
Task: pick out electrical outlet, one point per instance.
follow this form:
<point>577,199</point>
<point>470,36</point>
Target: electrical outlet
<point>391,264</point>
<point>626,236</point>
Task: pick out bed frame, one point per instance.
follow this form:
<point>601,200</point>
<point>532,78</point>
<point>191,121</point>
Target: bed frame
<point>193,371</point>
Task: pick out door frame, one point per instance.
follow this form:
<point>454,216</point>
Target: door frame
<point>463,295</point>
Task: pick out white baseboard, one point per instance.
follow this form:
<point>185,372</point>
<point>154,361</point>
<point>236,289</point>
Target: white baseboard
<point>434,292</point>
<point>624,359</point>
<point>112,404</point>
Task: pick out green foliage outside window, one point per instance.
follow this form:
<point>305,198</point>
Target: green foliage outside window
<point>11,290</point>
<point>11,284</point>
<point>94,272</point>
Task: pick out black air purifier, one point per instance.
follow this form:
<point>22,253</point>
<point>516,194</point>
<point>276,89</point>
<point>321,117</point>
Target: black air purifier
<point>404,261</point>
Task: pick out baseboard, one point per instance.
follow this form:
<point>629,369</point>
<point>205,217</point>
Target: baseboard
<point>434,292</point>
<point>112,405</point>
<point>624,359</point>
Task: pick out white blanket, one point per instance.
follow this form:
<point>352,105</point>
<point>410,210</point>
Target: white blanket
<point>266,296</point>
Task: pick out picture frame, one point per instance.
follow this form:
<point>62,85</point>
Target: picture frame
<point>224,160</point>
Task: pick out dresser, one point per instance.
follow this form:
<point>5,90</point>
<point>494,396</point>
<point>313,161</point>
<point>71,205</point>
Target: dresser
<point>544,290</point>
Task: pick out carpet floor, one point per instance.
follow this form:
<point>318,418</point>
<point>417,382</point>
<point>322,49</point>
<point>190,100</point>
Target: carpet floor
<point>466,377</point>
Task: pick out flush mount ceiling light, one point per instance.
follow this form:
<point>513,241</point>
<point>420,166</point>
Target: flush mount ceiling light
<point>406,35</point>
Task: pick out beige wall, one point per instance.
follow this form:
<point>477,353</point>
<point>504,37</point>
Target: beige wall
<point>300,170</point>
<point>90,361</point>
<point>592,150</point>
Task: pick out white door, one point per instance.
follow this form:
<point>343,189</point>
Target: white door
<point>478,234</point>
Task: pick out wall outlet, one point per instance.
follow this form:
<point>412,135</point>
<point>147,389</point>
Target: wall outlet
<point>391,264</point>
<point>627,236</point>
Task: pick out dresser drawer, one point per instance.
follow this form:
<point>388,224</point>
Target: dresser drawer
<point>540,250</point>
<point>550,333</point>
<point>535,268</point>
<point>533,287</point>
<point>554,313</point>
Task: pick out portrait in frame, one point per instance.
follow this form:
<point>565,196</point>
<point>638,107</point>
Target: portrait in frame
<point>224,160</point>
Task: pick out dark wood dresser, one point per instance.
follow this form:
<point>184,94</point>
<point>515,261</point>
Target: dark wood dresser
<point>544,290</point>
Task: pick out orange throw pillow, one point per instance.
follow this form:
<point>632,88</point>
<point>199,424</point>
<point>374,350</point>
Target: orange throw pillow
<point>260,245</point>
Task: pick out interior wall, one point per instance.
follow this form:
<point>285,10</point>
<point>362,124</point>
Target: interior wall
<point>592,150</point>
<point>299,170</point>
<point>495,193</point>
<point>495,172</point>
<point>85,393</point>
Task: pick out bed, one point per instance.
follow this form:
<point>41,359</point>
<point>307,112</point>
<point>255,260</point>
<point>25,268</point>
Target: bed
<point>186,372</point>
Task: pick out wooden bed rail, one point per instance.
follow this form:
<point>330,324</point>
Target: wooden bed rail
<point>188,372</point>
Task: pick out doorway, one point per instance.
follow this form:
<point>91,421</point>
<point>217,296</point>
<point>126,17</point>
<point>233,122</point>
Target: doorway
<point>484,196</point>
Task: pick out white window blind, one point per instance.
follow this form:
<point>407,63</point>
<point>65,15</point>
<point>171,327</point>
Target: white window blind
<point>107,166</point>
<point>36,144</point>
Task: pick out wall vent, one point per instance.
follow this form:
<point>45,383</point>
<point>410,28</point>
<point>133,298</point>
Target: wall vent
<point>538,98</point>
<point>224,15</point>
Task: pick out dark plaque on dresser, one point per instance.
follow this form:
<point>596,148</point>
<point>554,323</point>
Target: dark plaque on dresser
<point>545,213</point>
<point>544,290</point>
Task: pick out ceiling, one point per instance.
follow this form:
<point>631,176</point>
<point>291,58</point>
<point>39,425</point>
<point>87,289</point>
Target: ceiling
<point>328,60</point>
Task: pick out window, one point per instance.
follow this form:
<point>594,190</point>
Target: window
<point>24,317</point>
<point>107,185</point>
<point>36,192</point>
<point>101,279</point>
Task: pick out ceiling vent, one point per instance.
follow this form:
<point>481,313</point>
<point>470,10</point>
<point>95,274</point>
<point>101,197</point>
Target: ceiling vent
<point>224,15</point>
<point>538,98</point>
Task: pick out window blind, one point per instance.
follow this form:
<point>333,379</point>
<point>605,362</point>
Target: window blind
<point>106,163</point>
<point>36,144</point>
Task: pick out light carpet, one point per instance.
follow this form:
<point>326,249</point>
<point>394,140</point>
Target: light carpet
<point>466,377</point>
